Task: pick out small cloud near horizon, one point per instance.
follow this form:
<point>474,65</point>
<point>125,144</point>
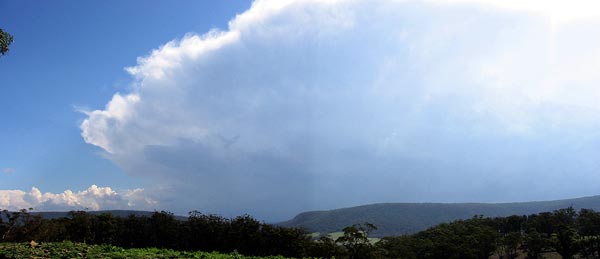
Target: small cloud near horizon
<point>7,170</point>
<point>93,198</point>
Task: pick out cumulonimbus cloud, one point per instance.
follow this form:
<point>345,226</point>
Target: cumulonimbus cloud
<point>93,198</point>
<point>325,103</point>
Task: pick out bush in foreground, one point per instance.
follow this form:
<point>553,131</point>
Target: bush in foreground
<point>79,250</point>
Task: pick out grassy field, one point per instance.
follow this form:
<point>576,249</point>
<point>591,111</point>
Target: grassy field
<point>78,250</point>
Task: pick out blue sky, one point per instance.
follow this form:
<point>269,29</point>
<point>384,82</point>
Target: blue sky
<point>70,54</point>
<point>276,107</point>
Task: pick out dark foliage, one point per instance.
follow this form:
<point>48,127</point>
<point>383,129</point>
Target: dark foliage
<point>567,232</point>
<point>356,241</point>
<point>5,40</point>
<point>243,234</point>
<point>563,231</point>
<point>474,238</point>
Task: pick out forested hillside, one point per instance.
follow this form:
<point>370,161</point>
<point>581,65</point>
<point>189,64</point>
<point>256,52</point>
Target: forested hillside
<point>402,218</point>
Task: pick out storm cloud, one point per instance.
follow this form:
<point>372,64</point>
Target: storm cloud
<point>317,104</point>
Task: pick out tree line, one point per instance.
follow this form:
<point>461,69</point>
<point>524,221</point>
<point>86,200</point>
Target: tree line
<point>199,232</point>
<point>243,234</point>
<point>566,232</point>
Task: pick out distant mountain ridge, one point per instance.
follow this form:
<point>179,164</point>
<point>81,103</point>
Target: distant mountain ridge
<point>115,213</point>
<point>404,218</point>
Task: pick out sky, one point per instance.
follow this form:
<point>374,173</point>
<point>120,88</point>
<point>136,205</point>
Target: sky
<point>275,107</point>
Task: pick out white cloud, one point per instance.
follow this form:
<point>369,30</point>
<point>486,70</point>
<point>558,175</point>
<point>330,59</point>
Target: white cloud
<point>560,11</point>
<point>299,101</point>
<point>7,170</point>
<point>93,198</point>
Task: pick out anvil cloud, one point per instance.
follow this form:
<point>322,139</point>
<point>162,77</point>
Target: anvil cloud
<point>325,103</point>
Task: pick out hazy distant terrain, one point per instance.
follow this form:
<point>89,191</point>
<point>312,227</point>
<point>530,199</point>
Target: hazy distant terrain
<point>402,218</point>
<point>116,213</point>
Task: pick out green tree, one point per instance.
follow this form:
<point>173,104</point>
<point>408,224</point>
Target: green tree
<point>405,247</point>
<point>244,234</point>
<point>105,229</point>
<point>19,226</point>
<point>165,229</point>
<point>535,244</point>
<point>324,247</point>
<point>356,240</point>
<point>80,227</point>
<point>464,239</point>
<point>588,223</point>
<point>5,40</point>
<point>508,245</point>
<point>564,240</point>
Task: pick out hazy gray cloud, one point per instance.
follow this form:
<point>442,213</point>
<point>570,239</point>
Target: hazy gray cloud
<point>318,104</point>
